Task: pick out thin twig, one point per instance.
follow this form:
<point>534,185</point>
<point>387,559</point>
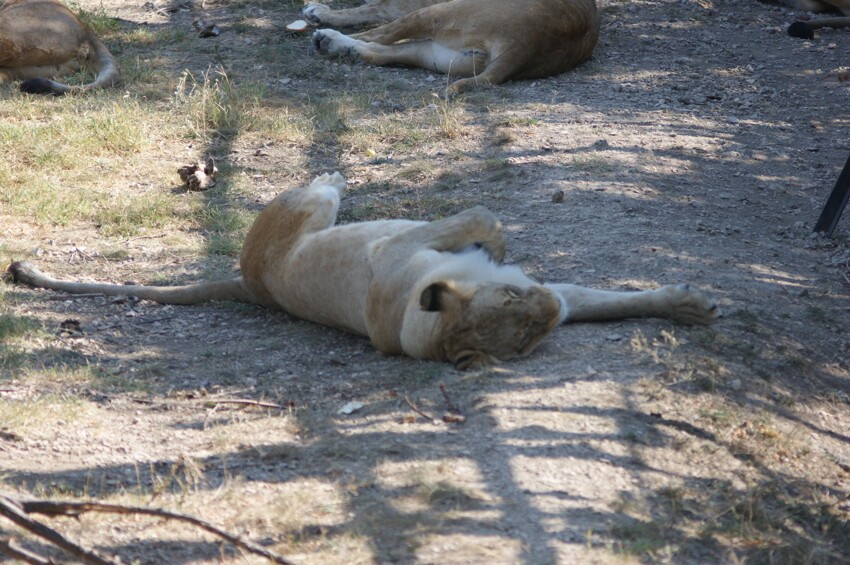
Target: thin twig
<point>197,401</point>
<point>10,548</point>
<point>209,415</point>
<point>243,401</point>
<point>417,410</point>
<point>77,251</point>
<point>62,508</point>
<point>452,406</point>
<point>129,239</point>
<point>15,511</point>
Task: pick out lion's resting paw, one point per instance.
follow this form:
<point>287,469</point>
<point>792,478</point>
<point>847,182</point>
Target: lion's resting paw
<point>689,306</point>
<point>332,42</point>
<point>335,180</point>
<point>313,12</point>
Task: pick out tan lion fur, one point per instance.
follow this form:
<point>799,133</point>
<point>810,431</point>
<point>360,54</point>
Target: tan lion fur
<point>485,41</point>
<point>41,39</point>
<point>430,290</point>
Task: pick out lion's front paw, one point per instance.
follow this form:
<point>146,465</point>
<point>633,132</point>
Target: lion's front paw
<point>332,42</point>
<point>690,306</point>
<point>314,12</point>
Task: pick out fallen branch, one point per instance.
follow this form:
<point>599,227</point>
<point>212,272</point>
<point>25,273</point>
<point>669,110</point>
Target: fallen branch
<point>74,509</point>
<point>418,411</point>
<point>15,511</point>
<point>10,548</point>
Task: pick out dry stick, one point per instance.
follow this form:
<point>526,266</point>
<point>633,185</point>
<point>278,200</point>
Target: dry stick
<point>10,548</point>
<point>417,410</point>
<point>78,251</point>
<point>60,508</point>
<point>452,406</point>
<point>209,415</point>
<point>16,512</point>
<point>155,236</point>
<point>138,400</point>
<point>243,401</point>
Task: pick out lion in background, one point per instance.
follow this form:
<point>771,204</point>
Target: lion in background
<point>484,41</point>
<point>430,290</point>
<point>41,39</point>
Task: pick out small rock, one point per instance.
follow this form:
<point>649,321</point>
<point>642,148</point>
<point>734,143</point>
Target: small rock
<point>736,384</point>
<point>350,408</point>
<point>558,197</point>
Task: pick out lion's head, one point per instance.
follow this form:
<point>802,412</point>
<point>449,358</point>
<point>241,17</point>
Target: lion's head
<point>484,322</point>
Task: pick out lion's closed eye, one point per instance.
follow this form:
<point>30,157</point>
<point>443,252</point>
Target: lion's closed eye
<point>470,359</point>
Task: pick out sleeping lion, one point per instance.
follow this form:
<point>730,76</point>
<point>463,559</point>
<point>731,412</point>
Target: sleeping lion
<point>40,39</point>
<point>431,290</point>
<point>484,41</point>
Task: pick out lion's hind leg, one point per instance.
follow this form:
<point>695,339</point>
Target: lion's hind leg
<point>425,54</point>
<point>676,302</point>
<point>320,201</point>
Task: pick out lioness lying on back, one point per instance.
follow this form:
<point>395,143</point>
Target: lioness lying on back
<point>430,290</point>
<point>42,38</point>
<point>486,41</point>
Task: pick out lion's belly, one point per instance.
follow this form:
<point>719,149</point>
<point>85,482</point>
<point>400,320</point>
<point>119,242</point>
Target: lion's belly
<point>326,278</point>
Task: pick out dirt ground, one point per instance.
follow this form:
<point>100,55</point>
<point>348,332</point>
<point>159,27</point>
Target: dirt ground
<point>698,145</point>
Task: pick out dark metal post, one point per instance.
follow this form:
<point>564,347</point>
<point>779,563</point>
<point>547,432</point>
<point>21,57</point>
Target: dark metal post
<point>835,204</point>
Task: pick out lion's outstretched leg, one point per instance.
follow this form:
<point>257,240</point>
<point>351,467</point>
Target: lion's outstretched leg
<point>677,302</point>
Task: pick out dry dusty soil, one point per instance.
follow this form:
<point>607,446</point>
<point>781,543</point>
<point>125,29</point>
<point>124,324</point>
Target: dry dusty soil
<point>698,145</point>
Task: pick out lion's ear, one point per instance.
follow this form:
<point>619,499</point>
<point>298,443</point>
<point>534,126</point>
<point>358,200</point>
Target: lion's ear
<point>432,298</point>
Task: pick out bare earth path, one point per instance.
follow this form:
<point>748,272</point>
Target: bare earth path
<point>697,145</point>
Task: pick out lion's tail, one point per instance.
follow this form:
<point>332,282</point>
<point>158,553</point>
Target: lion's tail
<point>231,289</point>
<point>99,58</point>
